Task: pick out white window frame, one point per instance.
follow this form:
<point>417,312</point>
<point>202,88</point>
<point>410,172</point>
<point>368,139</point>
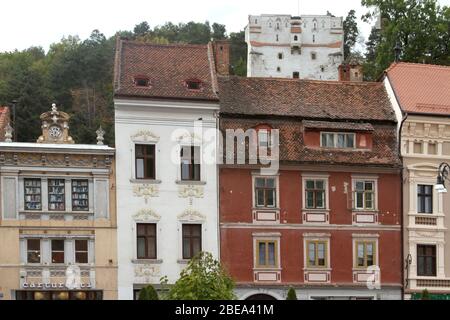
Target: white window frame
<point>335,140</point>
<point>364,179</point>
<point>277,191</point>
<point>315,177</point>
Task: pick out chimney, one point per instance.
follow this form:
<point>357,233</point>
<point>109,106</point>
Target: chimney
<point>222,56</point>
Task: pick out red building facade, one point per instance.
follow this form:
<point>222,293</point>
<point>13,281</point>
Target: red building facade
<point>328,223</point>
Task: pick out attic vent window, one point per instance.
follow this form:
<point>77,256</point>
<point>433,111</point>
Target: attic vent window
<point>141,82</point>
<point>194,84</point>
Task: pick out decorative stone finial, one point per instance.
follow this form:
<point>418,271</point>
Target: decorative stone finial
<point>8,133</point>
<point>100,136</point>
<point>54,108</point>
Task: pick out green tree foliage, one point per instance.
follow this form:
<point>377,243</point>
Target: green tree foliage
<point>292,295</point>
<point>148,293</point>
<point>203,279</point>
<point>420,27</point>
<point>351,33</point>
<point>77,75</point>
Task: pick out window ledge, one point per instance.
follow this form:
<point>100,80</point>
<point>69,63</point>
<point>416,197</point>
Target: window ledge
<point>183,261</point>
<point>146,261</point>
<point>316,210</point>
<point>266,209</point>
<point>145,181</point>
<point>263,269</point>
<point>312,269</point>
<point>191,183</point>
<point>365,211</point>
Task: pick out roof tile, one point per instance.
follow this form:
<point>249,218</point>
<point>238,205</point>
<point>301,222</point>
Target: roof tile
<point>421,88</point>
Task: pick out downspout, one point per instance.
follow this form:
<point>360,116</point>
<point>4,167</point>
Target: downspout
<point>402,220</point>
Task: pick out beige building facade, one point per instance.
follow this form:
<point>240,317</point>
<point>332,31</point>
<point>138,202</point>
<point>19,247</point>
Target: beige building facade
<point>57,217</point>
<point>422,96</point>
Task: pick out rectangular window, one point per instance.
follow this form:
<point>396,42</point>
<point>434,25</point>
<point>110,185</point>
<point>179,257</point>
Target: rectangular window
<point>192,240</point>
<point>145,162</point>
<point>58,251</point>
<point>365,254</point>
<point>265,192</point>
<point>280,56</point>
<point>313,56</point>
<point>33,193</point>
<point>34,251</point>
<point>81,251</point>
<point>365,195</point>
<point>146,241</point>
<point>425,199</point>
<point>266,254</point>
<point>80,195</point>
<point>317,254</point>
<point>315,194</point>
<point>426,261</point>
<point>338,140</point>
<point>190,163</point>
<point>296,75</point>
<point>264,138</point>
<point>56,195</point>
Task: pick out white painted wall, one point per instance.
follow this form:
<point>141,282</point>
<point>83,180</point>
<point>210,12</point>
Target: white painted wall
<point>275,32</point>
<point>158,121</point>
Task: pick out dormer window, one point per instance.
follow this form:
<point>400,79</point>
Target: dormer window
<point>337,140</point>
<point>193,84</point>
<point>142,82</point>
<point>264,138</point>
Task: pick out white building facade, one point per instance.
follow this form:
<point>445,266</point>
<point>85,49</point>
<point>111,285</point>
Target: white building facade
<point>166,171</point>
<point>306,47</point>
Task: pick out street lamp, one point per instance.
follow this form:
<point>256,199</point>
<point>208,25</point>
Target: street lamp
<point>444,173</point>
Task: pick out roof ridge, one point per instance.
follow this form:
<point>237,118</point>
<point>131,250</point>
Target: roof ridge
<point>328,82</point>
<point>419,65</point>
<point>168,45</point>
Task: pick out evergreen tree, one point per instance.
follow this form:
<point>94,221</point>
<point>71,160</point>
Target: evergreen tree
<point>148,293</point>
<point>351,33</point>
<point>292,295</point>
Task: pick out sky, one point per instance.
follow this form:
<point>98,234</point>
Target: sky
<point>25,23</point>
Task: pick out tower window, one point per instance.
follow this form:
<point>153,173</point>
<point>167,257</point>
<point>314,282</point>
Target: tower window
<point>278,38</point>
<point>313,56</point>
<point>314,38</point>
<point>296,75</point>
<point>295,38</point>
<point>278,69</point>
<point>280,56</point>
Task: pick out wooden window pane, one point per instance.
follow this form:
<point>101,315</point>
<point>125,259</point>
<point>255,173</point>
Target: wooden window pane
<point>312,254</point>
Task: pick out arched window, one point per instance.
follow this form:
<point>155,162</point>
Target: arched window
<point>295,38</point>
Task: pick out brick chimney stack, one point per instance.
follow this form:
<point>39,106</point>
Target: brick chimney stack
<point>222,56</point>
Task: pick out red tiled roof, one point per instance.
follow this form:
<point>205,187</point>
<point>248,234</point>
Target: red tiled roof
<point>167,67</point>
<point>305,98</point>
<point>294,151</point>
<point>421,88</point>
<point>337,125</point>
<point>4,120</point>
